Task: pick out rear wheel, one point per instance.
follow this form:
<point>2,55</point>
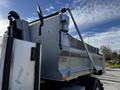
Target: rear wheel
<point>91,83</point>
<point>97,85</point>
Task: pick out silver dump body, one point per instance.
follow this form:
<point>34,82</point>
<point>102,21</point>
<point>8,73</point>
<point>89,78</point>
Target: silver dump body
<point>28,57</point>
<point>67,63</point>
<point>60,56</point>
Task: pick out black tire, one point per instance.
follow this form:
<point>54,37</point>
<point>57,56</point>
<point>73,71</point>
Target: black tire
<point>91,83</point>
<point>94,84</point>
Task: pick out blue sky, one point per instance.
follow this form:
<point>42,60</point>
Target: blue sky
<point>98,20</point>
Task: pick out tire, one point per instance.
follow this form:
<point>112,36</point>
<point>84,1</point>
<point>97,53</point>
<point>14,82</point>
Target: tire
<point>95,85</point>
<point>91,83</point>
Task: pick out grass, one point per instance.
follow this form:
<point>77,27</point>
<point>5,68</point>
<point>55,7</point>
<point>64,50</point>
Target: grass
<point>112,65</point>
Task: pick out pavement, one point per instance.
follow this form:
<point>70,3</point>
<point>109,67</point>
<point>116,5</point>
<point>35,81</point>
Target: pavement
<point>111,79</point>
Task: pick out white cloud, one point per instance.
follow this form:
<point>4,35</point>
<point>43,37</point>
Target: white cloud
<point>3,25</point>
<point>110,38</point>
<point>50,8</point>
<point>91,12</point>
<point>29,19</point>
<point>4,3</point>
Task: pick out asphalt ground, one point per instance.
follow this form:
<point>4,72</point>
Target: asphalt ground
<point>111,79</point>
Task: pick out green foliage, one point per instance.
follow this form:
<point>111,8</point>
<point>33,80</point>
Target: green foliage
<point>112,65</point>
<point>112,58</point>
<point>106,52</point>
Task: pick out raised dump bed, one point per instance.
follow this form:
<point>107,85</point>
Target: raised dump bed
<point>35,57</point>
<point>63,57</point>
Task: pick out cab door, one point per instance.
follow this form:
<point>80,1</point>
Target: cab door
<point>25,71</point>
<point>20,65</point>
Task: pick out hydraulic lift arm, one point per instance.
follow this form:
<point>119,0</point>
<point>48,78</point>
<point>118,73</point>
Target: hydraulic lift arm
<point>80,36</point>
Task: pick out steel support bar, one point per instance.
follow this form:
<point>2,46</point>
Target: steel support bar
<point>80,36</point>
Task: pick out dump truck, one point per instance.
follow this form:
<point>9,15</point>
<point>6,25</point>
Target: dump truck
<point>42,55</point>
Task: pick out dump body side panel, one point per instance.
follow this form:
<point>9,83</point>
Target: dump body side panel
<point>49,39</point>
<point>64,57</point>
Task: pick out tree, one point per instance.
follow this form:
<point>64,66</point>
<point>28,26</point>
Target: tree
<point>106,52</point>
<point>118,57</point>
<point>114,55</point>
